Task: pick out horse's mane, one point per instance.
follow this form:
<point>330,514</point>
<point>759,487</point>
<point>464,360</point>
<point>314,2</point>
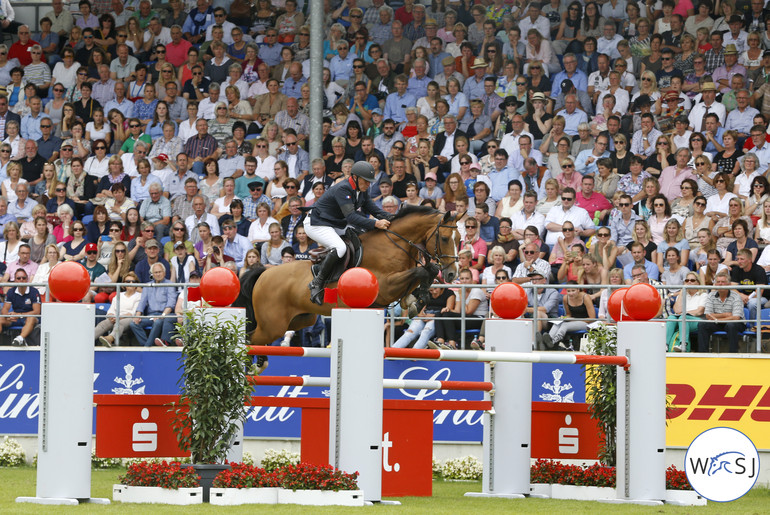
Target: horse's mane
<point>409,210</point>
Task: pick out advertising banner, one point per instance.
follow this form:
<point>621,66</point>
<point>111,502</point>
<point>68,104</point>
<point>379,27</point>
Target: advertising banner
<point>711,392</point>
<point>137,372</point>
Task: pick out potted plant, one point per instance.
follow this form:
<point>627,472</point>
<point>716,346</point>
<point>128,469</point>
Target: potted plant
<point>166,483</point>
<point>214,388</point>
<point>245,484</point>
<point>318,485</point>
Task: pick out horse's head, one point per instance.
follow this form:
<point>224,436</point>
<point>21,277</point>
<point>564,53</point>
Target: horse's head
<point>444,246</point>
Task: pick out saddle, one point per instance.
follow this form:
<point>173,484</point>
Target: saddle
<point>352,259</point>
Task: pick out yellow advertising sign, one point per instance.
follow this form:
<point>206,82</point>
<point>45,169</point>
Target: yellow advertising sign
<point>720,391</point>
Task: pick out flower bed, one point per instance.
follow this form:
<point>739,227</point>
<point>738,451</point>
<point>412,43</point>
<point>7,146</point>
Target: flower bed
<point>554,472</point>
<point>302,483</point>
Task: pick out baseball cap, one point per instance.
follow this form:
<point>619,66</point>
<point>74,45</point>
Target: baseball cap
<point>431,175</point>
<point>152,242</point>
<point>566,85</point>
<point>179,244</point>
<point>377,110</point>
<point>448,60</point>
<point>91,247</point>
<point>162,157</point>
<point>535,274</point>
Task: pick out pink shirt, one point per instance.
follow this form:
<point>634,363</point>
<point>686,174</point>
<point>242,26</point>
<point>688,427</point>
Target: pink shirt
<point>573,182</point>
<point>596,202</point>
<point>671,181</point>
<point>682,6</point>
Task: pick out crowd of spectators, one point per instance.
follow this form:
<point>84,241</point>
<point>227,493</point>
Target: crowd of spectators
<point>585,144</point>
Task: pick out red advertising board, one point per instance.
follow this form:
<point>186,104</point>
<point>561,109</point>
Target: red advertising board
<point>141,427</point>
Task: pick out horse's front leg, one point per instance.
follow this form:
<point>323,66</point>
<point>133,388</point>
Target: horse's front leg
<point>402,284</point>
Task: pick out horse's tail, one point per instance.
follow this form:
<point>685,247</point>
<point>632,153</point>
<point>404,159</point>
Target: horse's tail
<point>244,299</point>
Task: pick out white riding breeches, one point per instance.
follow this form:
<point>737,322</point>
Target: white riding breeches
<point>329,237</point>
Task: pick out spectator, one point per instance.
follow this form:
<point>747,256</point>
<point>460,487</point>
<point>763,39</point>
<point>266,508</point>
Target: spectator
<point>21,300</point>
<point>157,303</point>
<point>110,329</point>
<point>723,312</point>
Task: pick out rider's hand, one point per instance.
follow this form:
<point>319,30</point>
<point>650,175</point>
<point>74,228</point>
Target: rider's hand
<point>382,224</point>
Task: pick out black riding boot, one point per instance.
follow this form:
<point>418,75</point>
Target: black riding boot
<point>318,284</point>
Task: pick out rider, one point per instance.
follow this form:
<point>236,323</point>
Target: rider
<point>333,212</point>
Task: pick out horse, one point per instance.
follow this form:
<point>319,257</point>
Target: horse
<point>420,242</point>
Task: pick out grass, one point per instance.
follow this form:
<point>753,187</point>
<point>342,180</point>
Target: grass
<point>447,498</point>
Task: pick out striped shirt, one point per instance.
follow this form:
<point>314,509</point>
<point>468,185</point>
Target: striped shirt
<point>198,146</point>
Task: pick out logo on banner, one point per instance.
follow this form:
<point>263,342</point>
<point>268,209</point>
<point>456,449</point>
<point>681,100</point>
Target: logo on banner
<point>722,464</point>
<point>556,389</point>
<point>144,434</point>
<point>129,382</point>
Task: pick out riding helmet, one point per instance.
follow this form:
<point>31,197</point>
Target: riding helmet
<point>364,170</point>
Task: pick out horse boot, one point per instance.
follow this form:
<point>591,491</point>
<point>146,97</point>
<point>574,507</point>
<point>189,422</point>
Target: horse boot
<point>318,283</point>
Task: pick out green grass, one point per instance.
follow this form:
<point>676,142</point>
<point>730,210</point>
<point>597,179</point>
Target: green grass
<point>447,498</point>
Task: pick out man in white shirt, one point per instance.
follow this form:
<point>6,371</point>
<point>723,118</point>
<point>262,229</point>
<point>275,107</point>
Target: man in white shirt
<point>220,18</point>
<point>608,43</point>
<point>206,106</point>
<point>510,141</point>
<point>200,215</point>
<point>761,147</point>
<point>156,34</point>
<point>708,105</point>
<point>535,20</point>
<point>527,216</point>
<point>568,211</point>
<point>742,118</point>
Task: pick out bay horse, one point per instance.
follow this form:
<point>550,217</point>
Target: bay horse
<point>277,299</point>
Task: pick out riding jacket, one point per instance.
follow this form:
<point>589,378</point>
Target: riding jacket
<point>339,206</point>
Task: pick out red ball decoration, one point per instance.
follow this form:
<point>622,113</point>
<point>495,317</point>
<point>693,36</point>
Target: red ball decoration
<point>358,288</point>
<point>508,300</point>
<point>220,286</point>
<point>615,304</point>
<point>642,301</point>
<point>69,281</point>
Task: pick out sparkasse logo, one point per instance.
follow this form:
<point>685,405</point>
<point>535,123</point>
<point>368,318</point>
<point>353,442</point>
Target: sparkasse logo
<point>722,464</point>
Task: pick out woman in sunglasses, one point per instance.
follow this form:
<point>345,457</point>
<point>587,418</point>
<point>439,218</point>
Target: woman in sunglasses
<point>718,204</point>
<point>603,251</point>
<point>724,229</point>
<point>75,248</point>
<point>107,331</point>
<point>50,259</point>
<point>695,304</point>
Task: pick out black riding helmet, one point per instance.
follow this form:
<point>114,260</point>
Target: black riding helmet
<point>364,170</point>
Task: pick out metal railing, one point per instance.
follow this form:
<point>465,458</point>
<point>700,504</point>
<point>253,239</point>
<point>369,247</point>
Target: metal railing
<point>537,288</point>
<point>118,288</point>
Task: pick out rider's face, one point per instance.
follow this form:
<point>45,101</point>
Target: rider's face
<point>363,184</point>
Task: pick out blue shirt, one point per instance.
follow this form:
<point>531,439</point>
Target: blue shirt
<point>341,69</point>
<point>652,270</point>
<point>271,54</point>
<point>293,88</point>
<point>500,181</point>
<point>579,80</point>
<point>126,107</point>
<point>395,105</point>
<point>156,299</point>
<point>571,121</point>
<point>718,136</point>
<point>30,126</point>
<point>580,162</point>
<point>418,87</point>
<point>238,248</point>
<point>436,66</point>
<point>473,89</point>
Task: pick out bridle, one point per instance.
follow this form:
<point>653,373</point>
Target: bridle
<point>422,250</point>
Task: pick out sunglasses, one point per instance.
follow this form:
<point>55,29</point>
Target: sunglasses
<point>398,148</point>
<point>357,66</point>
<point>647,79</point>
<point>700,164</point>
<point>120,251</point>
<point>291,143</point>
<point>289,187</point>
<point>470,226</point>
<point>700,203</point>
<point>568,229</point>
<point>114,230</point>
<point>719,180</point>
<point>134,126</point>
<point>521,83</point>
<point>178,229</point>
<point>568,166</point>
<point>501,278</point>
<point>662,144</point>
<point>60,190</point>
<point>603,235</point>
<point>91,252</point>
<point>567,199</point>
<point>690,281</point>
<point>659,205</point>
<point>45,126</point>
<point>530,252</point>
<point>78,229</point>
